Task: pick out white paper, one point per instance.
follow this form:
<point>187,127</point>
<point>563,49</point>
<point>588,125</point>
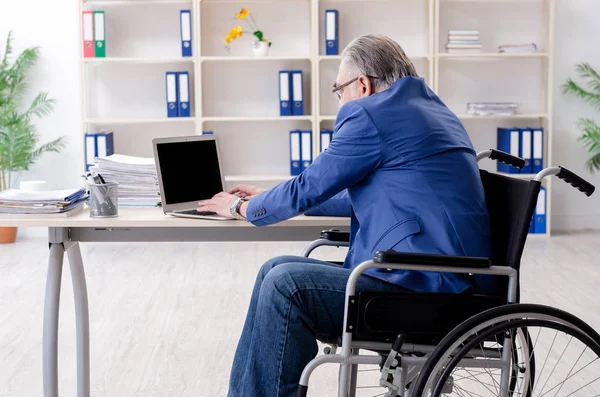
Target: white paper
<point>330,22</point>
<point>183,88</point>
<point>171,95</point>
<point>306,146</point>
<point>186,31</point>
<point>297,82</point>
<point>295,146</point>
<point>13,195</point>
<point>514,143</point>
<point>540,209</point>
<point>284,87</point>
<point>526,144</point>
<point>88,24</point>
<point>98,26</point>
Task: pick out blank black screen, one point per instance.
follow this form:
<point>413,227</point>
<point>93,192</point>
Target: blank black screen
<point>189,170</point>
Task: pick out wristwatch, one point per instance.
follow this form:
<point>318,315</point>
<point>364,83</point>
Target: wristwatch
<point>234,209</point>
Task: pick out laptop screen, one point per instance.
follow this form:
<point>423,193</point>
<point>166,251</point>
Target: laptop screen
<point>189,170</point>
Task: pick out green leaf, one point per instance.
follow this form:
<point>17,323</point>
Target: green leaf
<point>587,72</point>
<point>593,164</point>
<point>570,87</point>
<point>7,52</point>
<point>41,105</point>
<point>259,35</point>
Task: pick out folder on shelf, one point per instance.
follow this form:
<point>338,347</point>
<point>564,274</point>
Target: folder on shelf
<point>105,144</point>
<point>538,150</point>
<point>295,163</point>
<point>90,150</point>
<point>183,90</point>
<point>284,93</point>
<point>540,212</point>
<point>326,136</point>
<point>306,147</point>
<point>186,33</point>
<point>331,32</point>
<point>508,141</point>
<point>297,93</point>
<point>99,34</point>
<point>207,133</point>
<point>525,151</point>
<point>87,26</point>
<point>172,96</point>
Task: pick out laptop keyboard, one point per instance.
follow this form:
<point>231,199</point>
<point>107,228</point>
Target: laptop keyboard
<point>194,212</point>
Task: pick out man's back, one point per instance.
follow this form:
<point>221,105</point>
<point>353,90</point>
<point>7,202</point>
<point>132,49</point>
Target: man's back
<point>425,195</point>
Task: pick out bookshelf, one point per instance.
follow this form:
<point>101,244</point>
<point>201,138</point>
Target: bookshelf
<point>235,94</point>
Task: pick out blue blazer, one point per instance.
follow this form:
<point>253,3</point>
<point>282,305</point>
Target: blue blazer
<point>403,167</point>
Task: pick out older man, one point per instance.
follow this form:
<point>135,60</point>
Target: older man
<point>402,166</point>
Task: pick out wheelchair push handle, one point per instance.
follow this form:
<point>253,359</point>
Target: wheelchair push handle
<point>503,157</point>
<point>576,181</point>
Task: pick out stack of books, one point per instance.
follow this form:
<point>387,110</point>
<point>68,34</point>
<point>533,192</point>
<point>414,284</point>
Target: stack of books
<point>517,48</point>
<point>492,108</point>
<point>463,42</point>
<point>136,176</point>
<point>51,202</point>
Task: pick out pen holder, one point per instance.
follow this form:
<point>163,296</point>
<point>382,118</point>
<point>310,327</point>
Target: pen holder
<point>104,200</point>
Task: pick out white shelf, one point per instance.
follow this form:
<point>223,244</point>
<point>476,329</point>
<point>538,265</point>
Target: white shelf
<point>257,178</point>
<point>327,118</point>
<point>339,57</point>
<point>493,55</point>
<point>139,60</point>
<point>274,118</point>
<point>136,2</point>
<point>524,116</point>
<point>252,58</point>
<point>118,120</point>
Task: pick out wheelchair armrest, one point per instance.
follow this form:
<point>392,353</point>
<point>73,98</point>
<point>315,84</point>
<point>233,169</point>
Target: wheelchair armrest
<point>335,235</point>
<point>390,256</point>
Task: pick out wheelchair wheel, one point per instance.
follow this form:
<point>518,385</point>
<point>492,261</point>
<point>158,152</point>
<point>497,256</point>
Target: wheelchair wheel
<point>492,354</point>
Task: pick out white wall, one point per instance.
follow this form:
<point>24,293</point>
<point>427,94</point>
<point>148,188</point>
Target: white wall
<point>54,26</point>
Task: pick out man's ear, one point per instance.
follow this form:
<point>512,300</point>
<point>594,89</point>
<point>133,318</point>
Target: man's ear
<point>366,88</point>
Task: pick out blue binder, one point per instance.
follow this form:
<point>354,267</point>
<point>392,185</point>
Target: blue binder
<point>326,136</point>
<point>532,224</point>
<point>540,212</point>
<point>186,33</point>
<point>295,153</point>
<point>306,148</point>
<point>297,93</point>
<point>207,133</point>
<point>508,141</point>
<point>331,32</point>
<point>183,92</point>
<point>104,144</point>
<point>538,150</point>
<point>285,95</point>
<point>172,95</point>
<point>525,150</point>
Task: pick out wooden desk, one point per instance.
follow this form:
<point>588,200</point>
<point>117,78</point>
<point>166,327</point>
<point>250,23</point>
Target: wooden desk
<point>132,224</point>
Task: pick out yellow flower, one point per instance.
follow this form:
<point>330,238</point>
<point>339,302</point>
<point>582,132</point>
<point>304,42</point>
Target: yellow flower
<point>237,31</point>
<point>228,39</point>
<point>242,14</point>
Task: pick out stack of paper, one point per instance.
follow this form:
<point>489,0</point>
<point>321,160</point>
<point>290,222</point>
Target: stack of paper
<point>463,42</point>
<point>136,176</point>
<point>492,108</point>
<point>52,202</point>
<point>517,48</point>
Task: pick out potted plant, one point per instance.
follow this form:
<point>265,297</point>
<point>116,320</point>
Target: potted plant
<point>590,131</point>
<point>19,147</point>
<point>261,45</point>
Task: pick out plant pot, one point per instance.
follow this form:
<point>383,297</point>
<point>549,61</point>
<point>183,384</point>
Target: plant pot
<point>8,234</point>
<point>261,48</point>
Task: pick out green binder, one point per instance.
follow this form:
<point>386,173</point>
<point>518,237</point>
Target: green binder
<point>99,42</point>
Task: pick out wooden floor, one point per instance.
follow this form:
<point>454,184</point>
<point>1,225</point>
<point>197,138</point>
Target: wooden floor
<point>165,318</point>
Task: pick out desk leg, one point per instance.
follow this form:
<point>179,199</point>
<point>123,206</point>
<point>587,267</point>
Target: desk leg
<point>50,336</point>
<point>82,319</point>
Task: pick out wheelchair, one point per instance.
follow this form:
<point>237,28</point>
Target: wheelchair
<point>465,345</point>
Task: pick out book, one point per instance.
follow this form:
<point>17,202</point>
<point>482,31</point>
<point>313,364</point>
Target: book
<point>463,37</point>
<point>463,32</point>
<point>457,46</point>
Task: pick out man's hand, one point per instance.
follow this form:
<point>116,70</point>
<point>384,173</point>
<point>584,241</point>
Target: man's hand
<point>245,191</point>
<point>220,204</point>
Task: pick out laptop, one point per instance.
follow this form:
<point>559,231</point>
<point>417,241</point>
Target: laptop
<point>189,170</point>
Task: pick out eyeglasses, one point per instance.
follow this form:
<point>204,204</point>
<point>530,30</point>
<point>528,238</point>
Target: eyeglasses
<point>336,88</point>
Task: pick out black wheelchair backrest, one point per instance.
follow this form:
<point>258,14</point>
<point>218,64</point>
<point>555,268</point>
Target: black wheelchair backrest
<point>510,204</point>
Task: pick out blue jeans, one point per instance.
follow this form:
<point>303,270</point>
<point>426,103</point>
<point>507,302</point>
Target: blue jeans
<point>295,301</point>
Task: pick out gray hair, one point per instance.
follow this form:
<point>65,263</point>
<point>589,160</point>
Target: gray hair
<point>377,55</point>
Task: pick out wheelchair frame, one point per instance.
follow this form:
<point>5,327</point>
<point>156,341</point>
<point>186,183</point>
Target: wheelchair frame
<point>410,366</point>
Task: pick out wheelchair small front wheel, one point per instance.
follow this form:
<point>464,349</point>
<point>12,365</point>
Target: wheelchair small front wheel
<point>517,350</point>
